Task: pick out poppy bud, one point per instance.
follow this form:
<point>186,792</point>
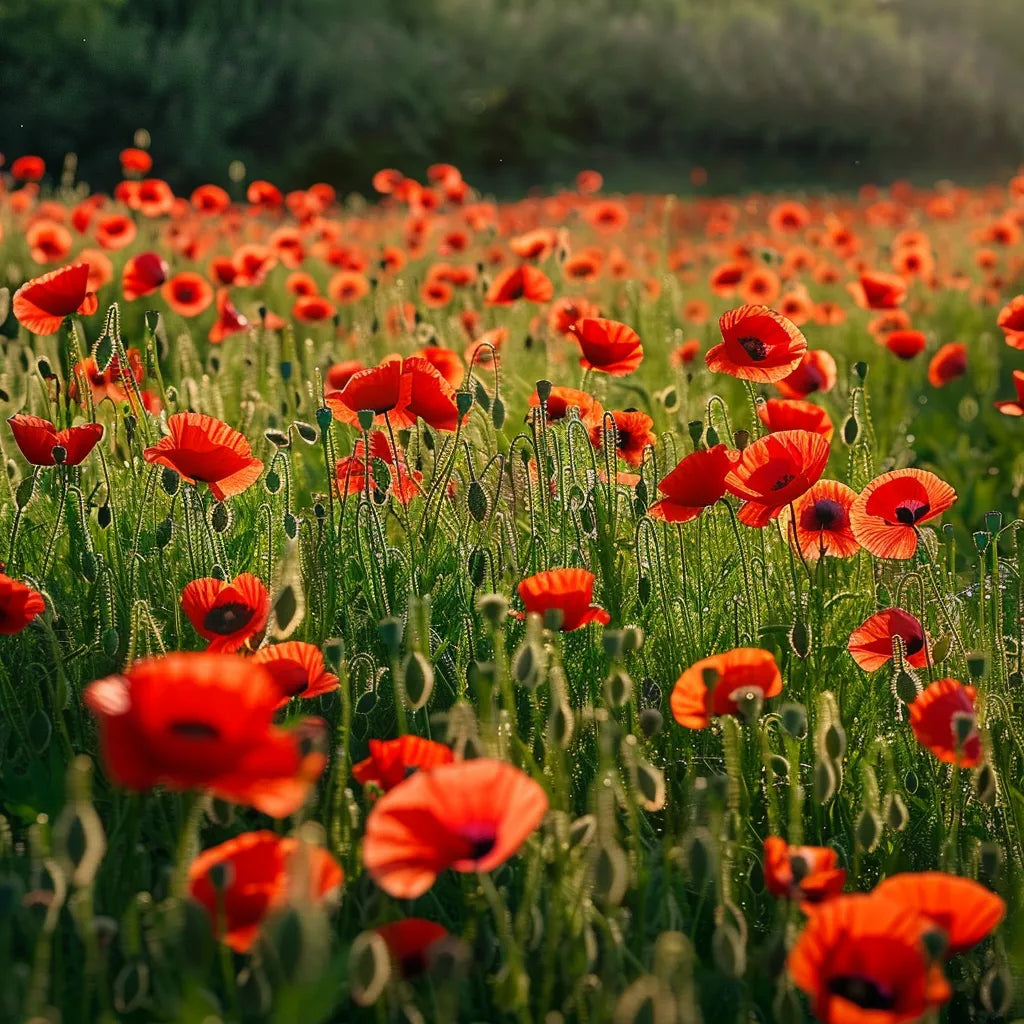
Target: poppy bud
<point>990,861</point>
<point>823,781</point>
<point>497,413</point>
<point>985,784</point>
<point>996,991</point>
<point>417,679</point>
<point>582,830</point>
<point>110,641</point>
<point>907,686</point>
<point>728,951</point>
<point>896,813</point>
<point>89,565</point>
<point>650,783</point>
<point>800,638</point>
<point>164,529</point>
<point>835,741</point>
<point>868,829</point>
<point>612,640</point>
<point>369,968</point>
<point>712,437</point>
<point>543,390</point>
<point>324,416</point>
<point>390,630</point>
<point>618,686</point>
<point>700,857</point>
<point>787,1008</point>
<point>170,481</point>
<point>494,608</point>
<point>976,663</point>
<point>935,942</point>
<point>851,430</point>
<point>611,873</point>
<point>651,721</point>
<point>553,619</point>
<point>779,767</point>
<point>220,517</point>
<point>861,369</point>
<point>476,500</point>
<point>560,725</point>
<point>526,665</point>
<point>463,403</point>
<point>277,438</point>
<point>306,431</point>
<point>103,516</point>
<point>131,986</point>
<point>633,639</point>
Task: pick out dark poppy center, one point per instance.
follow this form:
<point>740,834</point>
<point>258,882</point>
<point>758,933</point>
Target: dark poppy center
<point>784,481</point>
<point>913,644</point>
<point>827,513</point>
<point>866,993</point>
<point>227,618</point>
<point>911,511</point>
<point>755,348</point>
<point>480,840</point>
<point>192,729</point>
<point>98,378</point>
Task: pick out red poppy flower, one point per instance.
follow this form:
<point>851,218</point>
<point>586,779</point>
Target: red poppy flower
<point>380,389</point>
<point>816,371</point>
<point>775,470</point>
<point>469,816</point>
<point>944,721</point>
<point>36,438</point>
<point>566,590</point>
<point>963,909</point>
<point>409,942</point>
<point>264,194</point>
<point>111,383</point>
<point>341,373</point>
<point>949,363</point>
<point>261,873</point>
<point>351,473</point>
<point>809,874</point>
<point>568,310</point>
<point>719,684</point>
<point>187,293</point>
<point>607,345</point>
<point>42,303</point>
<point>759,345</point>
<point>347,286</point>
<point>115,231</point>
<point>871,642</point>
<point>1011,320</point>
<point>863,960</point>
<point>203,720</point>
<point>430,397</point>
<point>19,605</point>
<point>821,519</point>
<point>523,282</point>
<point>202,449</point>
<point>685,353</point>
<point>887,512</point>
<point>227,614</point>
<point>28,168</point>
<point>210,199</point>
<point>905,343</point>
<point>1014,408</point>
<point>393,761</point>
<point>759,285</point>
<point>136,160</point>
<point>229,320</point>
<point>296,667</point>
<point>153,198</point>
<point>101,270</point>
<point>878,290</point>
<point>561,400</point>
<point>697,482</point>
<point>632,434</point>
<point>142,275</point>
<point>446,362</point>
<point>607,215</point>
<point>794,414</point>
<point>788,216</point>
<point>312,309</point>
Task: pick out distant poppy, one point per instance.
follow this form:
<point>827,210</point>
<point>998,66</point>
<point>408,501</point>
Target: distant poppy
<point>142,275</point>
<point>252,263</point>
<point>19,605</point>
<point>187,293</point>
<point>210,199</point>
<point>1014,408</point>
<point>796,306</point>
<point>153,198</point>
<point>202,449</point>
<point>759,285</point>
<point>913,261</point>
<point>568,310</point>
<point>828,313</point>
<point>446,362</point>
<point>222,270</point>
<point>759,345</point>
<point>863,960</point>
<point>944,720</point>
<point>719,685</point>
<point>387,180</point>
<point>607,215</point>
<point>949,363</point>
<point>436,294</point>
<point>871,643</point>
<point>794,414</point>
<point>48,241</point>
<point>725,277</point>
<point>392,761</point>
<point>697,482</point>
<point>111,383</point>
<point>562,399</point>
<point>260,873</point>
<point>775,470</point>
<point>808,874</point>
<point>115,231</point>
<point>816,372</point>
<point>101,270</point>
<point>582,266</point>
<point>353,473</point>
<point>42,303</point>
<point>633,434</point>
<point>608,346</point>
<point>696,311</point>
<point>229,615</point>
<point>588,182</point>
<point>409,942</point>
<point>820,519</point>
<point>300,283</point>
<point>685,353</point>
<point>341,373</point>
<point>568,591</point>
<point>887,512</point>
<point>469,816</point>
<point>297,668</point>
<point>788,216</point>
<point>905,343</point>
<point>203,720</point>
<point>878,290</point>
<point>28,168</point>
<point>229,320</point>
<point>886,322</point>
<point>482,352</point>
<point>1011,321</point>
<point>347,286</point>
<point>312,309</point>
<point>537,244</point>
<point>522,282</point>
<point>36,438</point>
<point>964,910</point>
<point>135,160</point>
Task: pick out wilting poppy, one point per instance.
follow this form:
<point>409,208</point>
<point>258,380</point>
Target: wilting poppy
<point>522,282</point>
<point>816,371</point>
<point>722,683</point>
<point>878,290</point>
<point>904,343</point>
<point>887,512</point>
<point>36,438</point>
<point>775,470</point>
<point>259,873</point>
<point>964,910</point>
<point>809,874</point>
<point>229,320</point>
<point>469,816</point>
<point>203,720</point>
<point>864,960</point>
<point>297,668</point>
<point>19,605</point>
<point>1014,408</point>
<point>568,591</point>
<point>227,614</point>
<point>871,642</point>
<point>142,275</point>
<point>697,482</point>
<point>633,434</point>
<point>820,519</point>
<point>562,399</point>
<point>759,345</point>
<point>607,345</point>
<point>202,449</point>
<point>187,293</point>
<point>949,363</point>
<point>794,414</point>
<point>42,303</point>
<point>944,721</point>
<point>392,761</point>
<point>409,942</point>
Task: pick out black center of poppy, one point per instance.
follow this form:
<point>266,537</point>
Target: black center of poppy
<point>413,965</point>
<point>226,619</point>
<point>784,481</point>
<point>195,730</point>
<point>911,512</point>
<point>866,993</point>
<point>827,513</point>
<point>755,348</point>
<point>914,644</point>
<point>481,847</point>
<point>98,378</point>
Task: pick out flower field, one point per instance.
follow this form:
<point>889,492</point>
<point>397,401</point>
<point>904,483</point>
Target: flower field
<point>583,608</point>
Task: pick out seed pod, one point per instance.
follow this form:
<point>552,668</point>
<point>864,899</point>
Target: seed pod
<point>324,416</point>
<point>868,829</point>
<point>611,873</point>
<point>369,968</point>
<point>526,663</point>
<point>823,781</point>
<point>617,687</point>
<point>794,720</point>
<point>895,811</point>
<point>390,630</point>
<point>651,721</point>
<point>417,679</point>
<point>996,991</point>
<point>906,686</point>
<point>220,517</point>
<point>543,390</point>
<point>728,951</point>
<point>985,784</point>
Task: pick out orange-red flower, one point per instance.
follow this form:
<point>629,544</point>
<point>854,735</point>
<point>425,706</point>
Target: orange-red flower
<point>944,721</point>
<point>409,942</point>
<point>878,290</point>
<point>562,399</point>
<point>633,434</point>
<point>37,438</point>
<point>187,293</point>
<point>229,320</point>
<point>949,363</point>
<point>568,591</point>
<point>202,449</point>
<point>871,643</point>
<point>111,383</point>
<point>296,667</point>
<point>227,614</point>
<point>816,371</point>
<point>1014,408</point>
<point>1011,321</point>
<point>48,241</point>
<point>522,282</point>
<point>42,303</point>
<point>393,761</point>
<point>19,605</point>
<point>313,309</point>
<point>794,414</point>
<point>136,160</point>
<point>115,231</point>
<point>722,683</point>
<point>28,168</point>
<point>203,720</point>
<point>446,362</point>
<point>905,343</point>
<point>887,512</point>
<point>697,482</point>
<point>352,472</point>
<point>607,345</point>
<point>759,345</point>
<point>142,275</point>
<point>809,874</point>
<point>468,816</point>
<point>259,873</point>
<point>820,520</point>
